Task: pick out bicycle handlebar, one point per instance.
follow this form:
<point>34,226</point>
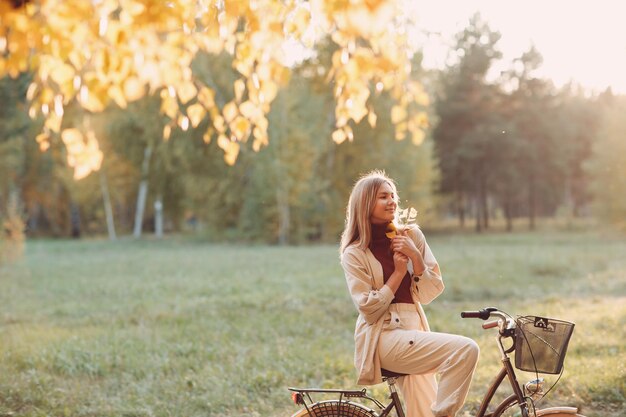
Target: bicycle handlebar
<point>482,314</point>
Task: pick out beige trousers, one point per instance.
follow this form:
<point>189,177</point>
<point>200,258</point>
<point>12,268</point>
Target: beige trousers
<point>405,347</point>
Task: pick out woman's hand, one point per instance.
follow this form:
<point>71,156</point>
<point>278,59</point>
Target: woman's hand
<point>400,263</point>
<point>404,244</point>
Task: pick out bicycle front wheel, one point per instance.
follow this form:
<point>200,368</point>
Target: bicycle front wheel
<point>511,410</point>
<point>335,408</point>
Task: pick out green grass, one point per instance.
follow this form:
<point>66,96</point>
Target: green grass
<point>180,328</point>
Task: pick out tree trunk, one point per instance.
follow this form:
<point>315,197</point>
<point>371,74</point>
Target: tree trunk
<point>108,210</point>
<point>484,202</point>
<point>143,191</point>
<point>478,214</point>
<point>75,228</point>
<point>508,214</point>
<point>284,214</point>
<point>282,186</point>
<point>531,202</point>
<point>568,202</point>
<point>478,200</point>
<point>460,202</point>
<point>325,230</point>
<point>158,217</point>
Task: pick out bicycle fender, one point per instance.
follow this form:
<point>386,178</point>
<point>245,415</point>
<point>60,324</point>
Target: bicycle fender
<point>557,410</point>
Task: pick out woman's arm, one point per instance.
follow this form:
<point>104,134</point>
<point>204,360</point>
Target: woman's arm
<point>371,302</point>
<point>429,283</point>
<point>426,274</point>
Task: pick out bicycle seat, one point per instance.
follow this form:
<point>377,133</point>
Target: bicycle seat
<point>390,374</point>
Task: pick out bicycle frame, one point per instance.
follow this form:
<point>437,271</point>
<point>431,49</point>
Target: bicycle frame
<point>506,370</point>
<point>518,395</point>
<point>395,400</point>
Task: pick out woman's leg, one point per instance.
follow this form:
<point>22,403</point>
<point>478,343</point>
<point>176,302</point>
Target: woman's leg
<point>417,352</point>
<point>419,393</point>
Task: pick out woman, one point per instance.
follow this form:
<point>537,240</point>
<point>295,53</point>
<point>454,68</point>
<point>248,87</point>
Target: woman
<point>389,279</point>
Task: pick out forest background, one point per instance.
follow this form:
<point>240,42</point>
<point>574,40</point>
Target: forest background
<point>514,147</point>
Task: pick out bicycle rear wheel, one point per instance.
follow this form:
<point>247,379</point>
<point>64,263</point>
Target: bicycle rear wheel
<point>335,408</point>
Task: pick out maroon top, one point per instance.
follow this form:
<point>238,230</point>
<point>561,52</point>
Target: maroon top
<point>381,248</point>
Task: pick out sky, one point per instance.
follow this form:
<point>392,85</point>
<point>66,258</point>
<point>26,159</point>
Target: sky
<point>581,41</point>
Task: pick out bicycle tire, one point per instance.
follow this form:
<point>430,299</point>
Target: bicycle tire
<point>559,412</point>
<point>509,402</point>
<point>335,408</point>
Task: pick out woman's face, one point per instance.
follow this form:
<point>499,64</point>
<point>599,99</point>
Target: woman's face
<point>385,205</point>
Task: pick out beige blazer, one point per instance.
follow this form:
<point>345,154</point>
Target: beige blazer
<point>364,276</point>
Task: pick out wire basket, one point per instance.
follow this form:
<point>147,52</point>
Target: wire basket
<point>541,344</point>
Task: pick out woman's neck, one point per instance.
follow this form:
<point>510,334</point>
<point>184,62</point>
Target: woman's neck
<point>379,231</point>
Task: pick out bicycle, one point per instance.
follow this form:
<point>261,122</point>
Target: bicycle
<point>540,344</point>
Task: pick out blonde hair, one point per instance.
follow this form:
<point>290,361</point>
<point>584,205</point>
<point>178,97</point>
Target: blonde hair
<point>360,206</point>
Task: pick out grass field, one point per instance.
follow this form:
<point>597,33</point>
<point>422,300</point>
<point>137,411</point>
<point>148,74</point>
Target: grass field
<point>180,328</point>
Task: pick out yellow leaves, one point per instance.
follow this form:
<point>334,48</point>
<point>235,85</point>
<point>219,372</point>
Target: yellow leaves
<point>240,127</point>
<point>118,51</point>
<point>250,111</point>
<point>268,92</point>
<point>244,60</point>
<point>372,118</point>
<point>340,135</point>
<point>186,91</point>
<point>298,22</point>
<point>83,153</point>
<point>183,122</point>
<point>53,122</point>
<point>169,105</point>
<point>167,132</point>
<point>418,137</point>
<point>218,123</point>
<point>116,93</point>
<point>196,113</point>
<point>240,88</point>
<point>133,8</point>
<point>360,19</point>
<point>230,148</point>
<point>62,73</point>
<point>43,139</point>
<point>133,89</point>
<point>398,114</point>
<point>260,138</point>
<point>92,100</point>
<point>391,230</point>
<point>46,95</point>
<point>230,112</point>
<point>206,97</point>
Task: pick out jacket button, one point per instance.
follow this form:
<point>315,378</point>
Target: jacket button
<point>410,342</point>
<point>397,320</point>
<point>416,279</point>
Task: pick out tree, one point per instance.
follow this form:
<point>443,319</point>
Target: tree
<point>95,53</point>
<point>465,128</point>
<point>607,165</point>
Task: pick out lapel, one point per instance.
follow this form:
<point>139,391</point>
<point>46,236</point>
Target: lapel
<point>376,268</point>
